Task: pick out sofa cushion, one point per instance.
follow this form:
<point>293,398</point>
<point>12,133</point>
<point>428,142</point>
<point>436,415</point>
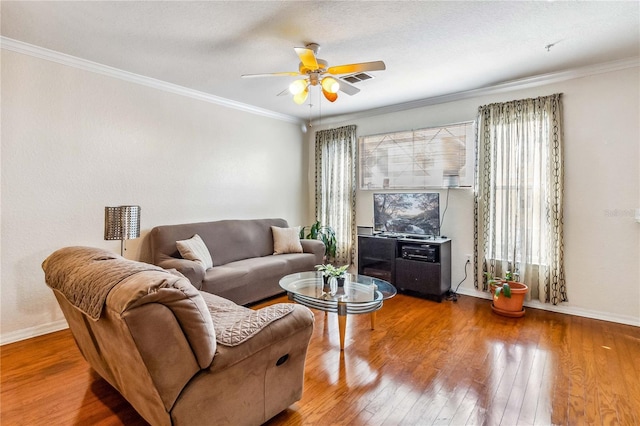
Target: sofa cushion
<point>243,272</point>
<point>298,262</point>
<point>286,240</point>
<point>244,281</point>
<point>224,276</point>
<point>195,249</point>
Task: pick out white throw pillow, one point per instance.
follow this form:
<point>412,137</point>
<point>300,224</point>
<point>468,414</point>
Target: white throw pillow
<point>195,249</point>
<point>286,240</point>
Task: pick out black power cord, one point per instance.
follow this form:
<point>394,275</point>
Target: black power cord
<point>453,295</point>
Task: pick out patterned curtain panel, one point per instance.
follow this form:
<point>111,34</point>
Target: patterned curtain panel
<point>336,187</point>
<point>519,195</point>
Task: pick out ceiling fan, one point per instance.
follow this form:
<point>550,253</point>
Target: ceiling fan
<point>315,71</point>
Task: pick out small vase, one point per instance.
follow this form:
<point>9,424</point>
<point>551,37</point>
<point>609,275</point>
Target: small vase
<point>333,286</point>
<point>325,284</point>
<point>341,281</point>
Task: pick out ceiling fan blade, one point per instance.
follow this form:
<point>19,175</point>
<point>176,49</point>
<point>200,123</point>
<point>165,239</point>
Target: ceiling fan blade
<point>273,74</point>
<point>307,57</point>
<point>348,88</point>
<point>361,67</point>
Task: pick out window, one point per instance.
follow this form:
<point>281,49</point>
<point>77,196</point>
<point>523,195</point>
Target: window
<point>336,187</point>
<point>519,195</point>
<point>519,169</point>
<point>416,159</point>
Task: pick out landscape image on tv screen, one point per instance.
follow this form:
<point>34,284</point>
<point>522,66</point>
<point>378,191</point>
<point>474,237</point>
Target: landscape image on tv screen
<point>407,213</point>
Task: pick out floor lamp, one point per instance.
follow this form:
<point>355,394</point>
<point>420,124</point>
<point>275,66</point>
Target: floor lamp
<point>121,223</point>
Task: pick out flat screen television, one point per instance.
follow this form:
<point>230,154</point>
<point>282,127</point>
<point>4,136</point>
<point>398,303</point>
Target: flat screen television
<point>407,213</point>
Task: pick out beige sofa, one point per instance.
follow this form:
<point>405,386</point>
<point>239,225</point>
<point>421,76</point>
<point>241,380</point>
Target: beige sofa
<point>178,355</point>
<point>245,269</point>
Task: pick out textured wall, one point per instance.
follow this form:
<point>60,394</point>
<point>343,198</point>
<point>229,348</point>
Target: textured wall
<point>74,142</point>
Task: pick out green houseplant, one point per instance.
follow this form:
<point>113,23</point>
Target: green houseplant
<point>324,233</point>
<point>508,295</point>
<point>329,271</point>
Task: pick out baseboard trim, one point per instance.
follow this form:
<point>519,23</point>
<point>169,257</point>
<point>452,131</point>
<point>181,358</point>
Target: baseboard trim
<point>30,332</point>
<point>563,309</point>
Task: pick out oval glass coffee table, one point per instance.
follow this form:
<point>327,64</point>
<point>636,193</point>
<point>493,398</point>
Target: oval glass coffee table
<point>359,295</point>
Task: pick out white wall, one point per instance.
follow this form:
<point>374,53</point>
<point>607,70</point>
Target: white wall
<point>74,142</point>
<point>602,188</point>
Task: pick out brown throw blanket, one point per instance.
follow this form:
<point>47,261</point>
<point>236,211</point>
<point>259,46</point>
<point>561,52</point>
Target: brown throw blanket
<point>235,324</point>
<point>85,275</point>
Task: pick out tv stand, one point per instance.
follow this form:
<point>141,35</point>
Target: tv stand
<point>415,266</point>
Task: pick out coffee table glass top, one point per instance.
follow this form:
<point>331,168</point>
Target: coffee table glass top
<point>357,289</point>
<point>359,294</point>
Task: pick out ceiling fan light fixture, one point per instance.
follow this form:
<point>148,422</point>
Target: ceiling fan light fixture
<point>331,97</point>
<point>298,87</point>
<point>330,84</point>
<point>312,70</point>
<point>299,98</point>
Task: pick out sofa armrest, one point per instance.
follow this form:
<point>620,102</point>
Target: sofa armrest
<point>298,325</point>
<point>190,269</point>
<point>253,381</point>
<point>314,246</point>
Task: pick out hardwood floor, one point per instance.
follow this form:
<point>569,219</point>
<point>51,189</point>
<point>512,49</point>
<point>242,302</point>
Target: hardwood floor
<point>425,364</point>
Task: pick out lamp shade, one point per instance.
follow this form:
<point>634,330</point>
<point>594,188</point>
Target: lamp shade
<point>301,97</point>
<point>298,86</point>
<point>331,97</point>
<point>121,223</point>
<point>330,84</point>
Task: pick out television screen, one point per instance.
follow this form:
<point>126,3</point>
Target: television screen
<point>407,213</point>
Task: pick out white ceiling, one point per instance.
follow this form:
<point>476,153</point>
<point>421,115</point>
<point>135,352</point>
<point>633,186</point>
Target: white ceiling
<point>431,48</point>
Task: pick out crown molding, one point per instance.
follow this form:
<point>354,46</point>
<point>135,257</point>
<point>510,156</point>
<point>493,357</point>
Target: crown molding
<point>523,83</point>
<point>83,64</point>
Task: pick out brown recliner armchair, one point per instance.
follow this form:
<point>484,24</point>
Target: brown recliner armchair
<point>177,355</point>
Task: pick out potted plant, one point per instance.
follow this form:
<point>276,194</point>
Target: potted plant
<point>329,271</point>
<point>508,295</point>
<point>324,233</point>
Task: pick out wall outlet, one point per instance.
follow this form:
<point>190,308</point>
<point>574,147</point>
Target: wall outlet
<point>469,258</point>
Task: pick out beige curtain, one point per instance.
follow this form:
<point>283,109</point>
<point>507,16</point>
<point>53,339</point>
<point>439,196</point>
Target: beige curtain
<point>519,195</point>
<point>336,187</point>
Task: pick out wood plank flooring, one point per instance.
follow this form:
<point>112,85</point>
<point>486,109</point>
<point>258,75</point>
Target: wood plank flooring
<point>425,364</point>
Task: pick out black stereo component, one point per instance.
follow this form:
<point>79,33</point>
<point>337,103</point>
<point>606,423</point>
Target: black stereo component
<point>422,252</point>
